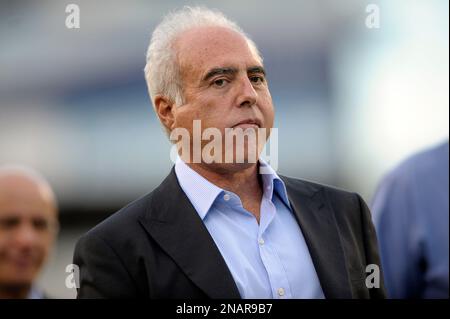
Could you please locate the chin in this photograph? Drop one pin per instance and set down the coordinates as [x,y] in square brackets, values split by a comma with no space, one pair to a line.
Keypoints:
[230,167]
[18,281]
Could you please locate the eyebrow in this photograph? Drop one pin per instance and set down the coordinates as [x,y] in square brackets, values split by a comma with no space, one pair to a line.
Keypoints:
[217,71]
[256,69]
[231,71]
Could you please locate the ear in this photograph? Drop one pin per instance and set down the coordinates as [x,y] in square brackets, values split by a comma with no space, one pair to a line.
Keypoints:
[165,111]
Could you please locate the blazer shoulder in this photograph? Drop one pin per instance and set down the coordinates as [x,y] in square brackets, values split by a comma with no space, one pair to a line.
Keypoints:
[106,255]
[125,223]
[311,187]
[122,222]
[340,200]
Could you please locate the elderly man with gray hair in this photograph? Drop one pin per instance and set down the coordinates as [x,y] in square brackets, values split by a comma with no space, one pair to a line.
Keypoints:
[220,228]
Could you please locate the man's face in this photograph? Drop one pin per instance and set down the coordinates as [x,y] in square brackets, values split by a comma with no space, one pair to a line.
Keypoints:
[223,82]
[27,229]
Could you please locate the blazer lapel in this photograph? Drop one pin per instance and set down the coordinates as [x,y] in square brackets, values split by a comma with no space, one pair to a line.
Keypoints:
[173,222]
[319,228]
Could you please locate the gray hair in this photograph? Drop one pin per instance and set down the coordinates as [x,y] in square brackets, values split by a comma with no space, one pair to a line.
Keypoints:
[162,70]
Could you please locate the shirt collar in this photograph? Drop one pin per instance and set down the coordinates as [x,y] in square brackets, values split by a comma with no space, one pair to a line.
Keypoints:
[272,182]
[202,193]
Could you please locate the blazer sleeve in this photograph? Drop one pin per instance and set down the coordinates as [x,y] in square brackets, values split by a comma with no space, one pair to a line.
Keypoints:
[371,247]
[102,273]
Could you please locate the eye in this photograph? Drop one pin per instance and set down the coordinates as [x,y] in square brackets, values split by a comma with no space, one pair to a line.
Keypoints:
[257,79]
[40,224]
[220,83]
[9,223]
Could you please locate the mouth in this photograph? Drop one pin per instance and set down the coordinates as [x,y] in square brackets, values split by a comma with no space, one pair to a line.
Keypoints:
[24,263]
[248,123]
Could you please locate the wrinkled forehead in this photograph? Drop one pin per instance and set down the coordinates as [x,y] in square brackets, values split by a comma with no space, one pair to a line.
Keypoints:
[202,48]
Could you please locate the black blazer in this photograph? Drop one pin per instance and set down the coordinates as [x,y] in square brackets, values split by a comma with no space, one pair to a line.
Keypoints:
[158,247]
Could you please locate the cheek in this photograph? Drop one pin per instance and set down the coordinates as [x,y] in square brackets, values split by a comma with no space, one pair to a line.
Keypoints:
[210,114]
[41,249]
[184,118]
[7,245]
[216,112]
[3,249]
[268,113]
[45,237]
[41,253]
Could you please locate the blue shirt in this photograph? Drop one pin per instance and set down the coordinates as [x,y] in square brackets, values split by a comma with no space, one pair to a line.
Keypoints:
[35,293]
[411,216]
[267,260]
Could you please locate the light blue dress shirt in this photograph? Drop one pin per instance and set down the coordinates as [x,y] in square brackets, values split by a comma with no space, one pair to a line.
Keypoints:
[267,260]
[35,293]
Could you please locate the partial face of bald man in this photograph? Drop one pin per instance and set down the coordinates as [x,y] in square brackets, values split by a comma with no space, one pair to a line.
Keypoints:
[28,223]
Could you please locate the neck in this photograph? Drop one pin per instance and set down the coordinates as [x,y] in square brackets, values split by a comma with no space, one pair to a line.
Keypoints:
[244,182]
[14,291]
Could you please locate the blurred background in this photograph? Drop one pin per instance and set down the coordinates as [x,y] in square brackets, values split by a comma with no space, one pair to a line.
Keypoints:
[351,101]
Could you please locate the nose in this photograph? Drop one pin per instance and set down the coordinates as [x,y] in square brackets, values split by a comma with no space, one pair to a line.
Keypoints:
[26,236]
[247,94]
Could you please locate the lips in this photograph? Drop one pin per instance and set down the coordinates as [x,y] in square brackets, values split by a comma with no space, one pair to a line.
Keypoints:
[23,263]
[248,123]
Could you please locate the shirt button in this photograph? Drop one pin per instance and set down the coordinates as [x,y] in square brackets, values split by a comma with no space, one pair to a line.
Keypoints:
[280,292]
[226,197]
[261,241]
